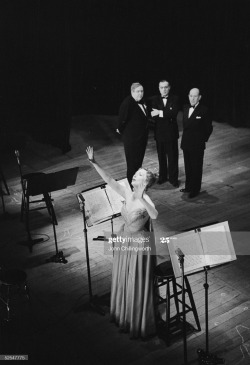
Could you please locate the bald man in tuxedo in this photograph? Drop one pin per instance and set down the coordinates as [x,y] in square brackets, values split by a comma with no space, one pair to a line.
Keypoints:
[197,128]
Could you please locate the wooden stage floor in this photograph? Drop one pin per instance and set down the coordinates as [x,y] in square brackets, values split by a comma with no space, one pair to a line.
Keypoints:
[56,326]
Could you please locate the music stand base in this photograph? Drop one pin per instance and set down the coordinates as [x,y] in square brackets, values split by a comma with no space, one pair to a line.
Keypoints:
[58,258]
[208,359]
[92,304]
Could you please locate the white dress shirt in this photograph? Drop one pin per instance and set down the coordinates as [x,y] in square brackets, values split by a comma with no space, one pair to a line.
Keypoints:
[164,100]
[191,110]
[143,108]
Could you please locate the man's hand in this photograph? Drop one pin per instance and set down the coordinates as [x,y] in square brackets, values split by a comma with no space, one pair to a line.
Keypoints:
[155,112]
[117,131]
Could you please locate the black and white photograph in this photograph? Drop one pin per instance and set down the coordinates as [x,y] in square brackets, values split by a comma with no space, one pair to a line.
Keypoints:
[125,182]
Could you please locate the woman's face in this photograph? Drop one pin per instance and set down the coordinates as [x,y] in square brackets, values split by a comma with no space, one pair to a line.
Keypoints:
[139,177]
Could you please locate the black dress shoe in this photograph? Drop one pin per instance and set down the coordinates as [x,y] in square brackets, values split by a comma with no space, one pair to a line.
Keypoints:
[184,191]
[193,194]
[161,181]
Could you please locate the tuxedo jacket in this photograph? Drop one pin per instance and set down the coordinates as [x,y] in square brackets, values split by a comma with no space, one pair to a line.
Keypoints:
[166,128]
[132,121]
[196,129]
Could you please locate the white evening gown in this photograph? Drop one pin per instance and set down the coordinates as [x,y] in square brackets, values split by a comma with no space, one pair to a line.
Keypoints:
[132,304]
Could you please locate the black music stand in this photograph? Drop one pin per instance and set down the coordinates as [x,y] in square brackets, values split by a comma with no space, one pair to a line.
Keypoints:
[204,356]
[45,184]
[181,256]
[93,299]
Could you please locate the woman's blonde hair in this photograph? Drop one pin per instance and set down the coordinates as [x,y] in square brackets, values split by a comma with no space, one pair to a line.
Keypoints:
[151,178]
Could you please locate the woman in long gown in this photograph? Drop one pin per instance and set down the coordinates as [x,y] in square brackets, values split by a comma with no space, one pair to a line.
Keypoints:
[132,304]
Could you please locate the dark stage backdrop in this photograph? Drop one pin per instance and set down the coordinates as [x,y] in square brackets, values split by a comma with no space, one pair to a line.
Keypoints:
[68,57]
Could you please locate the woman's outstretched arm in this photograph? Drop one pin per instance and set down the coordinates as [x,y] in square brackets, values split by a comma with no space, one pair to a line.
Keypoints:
[149,206]
[106,177]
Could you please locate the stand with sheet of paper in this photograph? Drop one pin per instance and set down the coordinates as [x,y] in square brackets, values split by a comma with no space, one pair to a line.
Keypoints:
[207,246]
[102,203]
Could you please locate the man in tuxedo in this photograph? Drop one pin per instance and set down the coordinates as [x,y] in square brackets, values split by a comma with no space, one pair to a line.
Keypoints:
[133,127]
[197,128]
[164,110]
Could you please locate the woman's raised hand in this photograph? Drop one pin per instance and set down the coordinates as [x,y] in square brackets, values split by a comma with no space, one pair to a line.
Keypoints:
[90,153]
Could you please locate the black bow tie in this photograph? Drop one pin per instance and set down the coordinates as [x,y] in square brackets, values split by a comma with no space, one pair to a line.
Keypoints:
[140,102]
[164,97]
[192,107]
